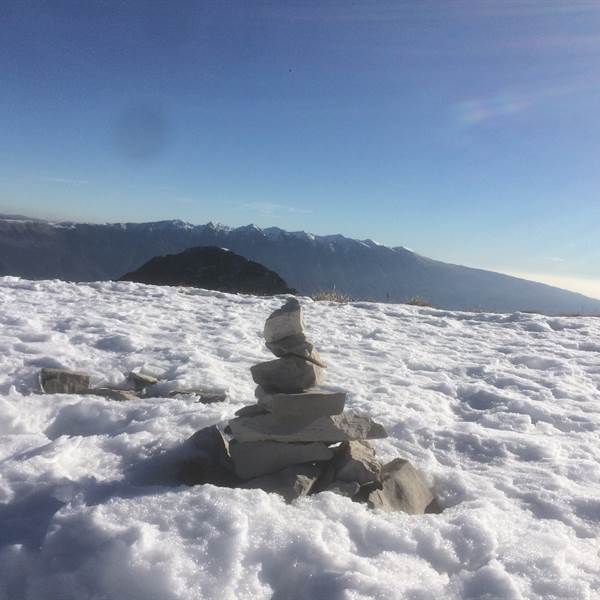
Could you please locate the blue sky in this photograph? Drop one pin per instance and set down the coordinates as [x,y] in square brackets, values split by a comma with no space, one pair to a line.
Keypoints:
[468,131]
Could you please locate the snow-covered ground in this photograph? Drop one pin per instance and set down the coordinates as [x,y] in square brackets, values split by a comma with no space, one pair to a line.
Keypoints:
[500,412]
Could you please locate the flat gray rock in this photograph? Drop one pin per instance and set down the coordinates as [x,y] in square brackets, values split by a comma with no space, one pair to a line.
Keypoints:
[141,381]
[291,483]
[296,345]
[62,381]
[355,461]
[253,459]
[336,428]
[284,322]
[113,394]
[313,403]
[402,489]
[288,374]
[292,344]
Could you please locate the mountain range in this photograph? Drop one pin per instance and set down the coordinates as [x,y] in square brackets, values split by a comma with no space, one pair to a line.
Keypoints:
[362,269]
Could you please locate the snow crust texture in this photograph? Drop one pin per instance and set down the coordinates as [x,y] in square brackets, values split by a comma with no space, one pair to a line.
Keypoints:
[500,412]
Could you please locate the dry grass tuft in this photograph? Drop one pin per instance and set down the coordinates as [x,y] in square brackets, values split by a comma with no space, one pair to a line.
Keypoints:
[331,296]
[418,301]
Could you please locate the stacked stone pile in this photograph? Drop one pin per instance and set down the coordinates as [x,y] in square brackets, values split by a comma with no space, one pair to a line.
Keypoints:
[297,439]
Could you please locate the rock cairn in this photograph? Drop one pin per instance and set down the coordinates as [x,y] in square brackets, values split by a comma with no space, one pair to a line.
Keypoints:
[297,439]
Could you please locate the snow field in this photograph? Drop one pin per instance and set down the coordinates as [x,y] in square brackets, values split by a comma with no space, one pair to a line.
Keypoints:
[500,412]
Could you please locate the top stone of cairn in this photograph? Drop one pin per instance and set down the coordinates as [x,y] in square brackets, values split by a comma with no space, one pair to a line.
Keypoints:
[284,322]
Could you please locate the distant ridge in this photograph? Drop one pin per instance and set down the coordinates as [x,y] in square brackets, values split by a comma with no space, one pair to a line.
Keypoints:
[9,217]
[309,263]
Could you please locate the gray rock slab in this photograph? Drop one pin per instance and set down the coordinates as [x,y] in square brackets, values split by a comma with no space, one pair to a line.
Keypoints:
[402,489]
[253,459]
[211,444]
[288,374]
[62,381]
[296,345]
[291,483]
[207,459]
[284,322]
[355,461]
[141,381]
[312,403]
[113,394]
[331,429]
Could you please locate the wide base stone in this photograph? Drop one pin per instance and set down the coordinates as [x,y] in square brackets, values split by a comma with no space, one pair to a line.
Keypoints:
[291,483]
[253,459]
[337,428]
[312,403]
[61,381]
[402,489]
[289,374]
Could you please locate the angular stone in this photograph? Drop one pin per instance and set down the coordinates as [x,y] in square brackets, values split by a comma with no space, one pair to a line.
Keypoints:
[355,461]
[291,483]
[336,428]
[343,488]
[292,344]
[61,381]
[288,375]
[253,459]
[402,488]
[296,345]
[113,394]
[211,444]
[141,381]
[313,403]
[252,410]
[284,322]
[208,459]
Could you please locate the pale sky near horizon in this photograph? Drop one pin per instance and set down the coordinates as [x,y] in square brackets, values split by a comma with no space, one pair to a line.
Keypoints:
[468,131]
